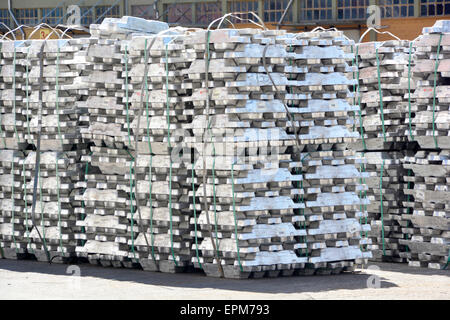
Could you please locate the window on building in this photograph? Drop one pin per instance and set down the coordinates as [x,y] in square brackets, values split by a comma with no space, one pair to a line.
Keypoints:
[396,8]
[27,17]
[4,18]
[207,12]
[87,15]
[317,10]
[179,13]
[434,7]
[274,9]
[352,9]
[243,6]
[143,11]
[52,16]
[102,12]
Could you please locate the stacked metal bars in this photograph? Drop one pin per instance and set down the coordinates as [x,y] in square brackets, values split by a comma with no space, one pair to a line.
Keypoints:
[263,204]
[107,194]
[13,240]
[384,89]
[57,120]
[428,233]
[386,195]
[318,95]
[60,148]
[428,170]
[164,162]
[284,185]
[383,86]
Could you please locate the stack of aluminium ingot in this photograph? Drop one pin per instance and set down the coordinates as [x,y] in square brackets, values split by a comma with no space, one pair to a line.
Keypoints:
[428,174]
[54,124]
[245,222]
[13,236]
[107,188]
[318,95]
[385,86]
[164,162]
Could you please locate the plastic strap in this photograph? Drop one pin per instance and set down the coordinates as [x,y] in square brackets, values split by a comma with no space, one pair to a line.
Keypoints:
[299,184]
[409,90]
[26,206]
[361,126]
[381,203]
[208,124]
[381,95]
[150,169]
[363,207]
[434,90]
[354,87]
[13,209]
[26,92]
[170,147]
[131,156]
[408,197]
[57,98]
[1,131]
[14,101]
[127,95]
[41,204]
[83,216]
[195,218]
[234,214]
[214,158]
[132,207]
[302,210]
[59,206]
[448,261]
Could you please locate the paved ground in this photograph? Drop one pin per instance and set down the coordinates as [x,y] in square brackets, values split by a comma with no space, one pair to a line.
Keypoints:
[34,280]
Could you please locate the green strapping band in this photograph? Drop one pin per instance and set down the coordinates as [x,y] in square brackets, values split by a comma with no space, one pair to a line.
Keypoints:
[83,216]
[381,95]
[381,203]
[234,214]
[208,57]
[132,208]
[41,205]
[170,147]
[150,169]
[409,89]
[132,158]
[448,261]
[195,218]
[13,206]
[302,200]
[363,207]
[408,208]
[434,90]
[26,207]
[59,206]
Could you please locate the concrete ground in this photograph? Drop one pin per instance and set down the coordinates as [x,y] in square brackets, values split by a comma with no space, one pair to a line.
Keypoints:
[35,280]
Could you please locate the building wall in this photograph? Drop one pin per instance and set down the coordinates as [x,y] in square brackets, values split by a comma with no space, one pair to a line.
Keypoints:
[407,28]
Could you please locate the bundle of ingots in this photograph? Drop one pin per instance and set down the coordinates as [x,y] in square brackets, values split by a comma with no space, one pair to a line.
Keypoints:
[232,151]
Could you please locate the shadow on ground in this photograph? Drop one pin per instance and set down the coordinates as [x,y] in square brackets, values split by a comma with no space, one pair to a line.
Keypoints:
[404,268]
[299,284]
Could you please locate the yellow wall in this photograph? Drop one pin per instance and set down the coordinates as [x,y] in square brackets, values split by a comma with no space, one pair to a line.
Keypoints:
[407,28]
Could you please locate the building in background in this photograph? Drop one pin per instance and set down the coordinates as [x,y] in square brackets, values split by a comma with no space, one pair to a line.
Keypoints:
[404,18]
